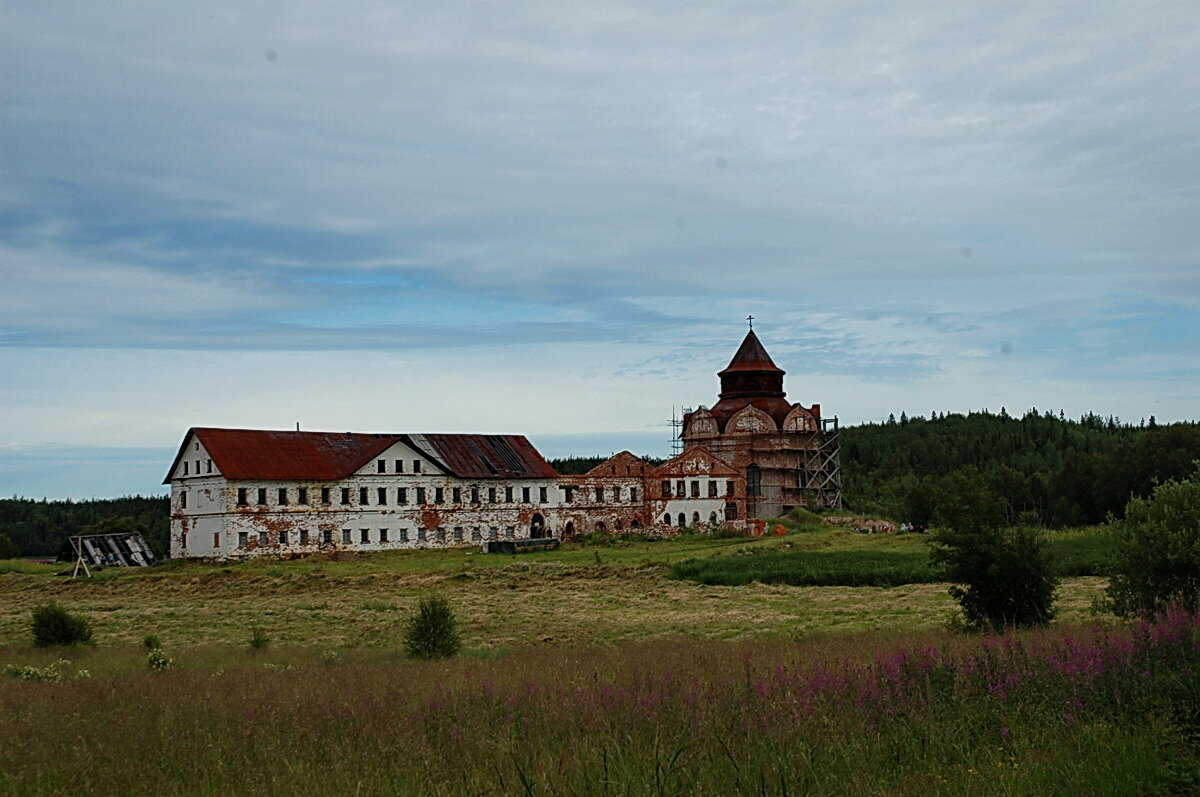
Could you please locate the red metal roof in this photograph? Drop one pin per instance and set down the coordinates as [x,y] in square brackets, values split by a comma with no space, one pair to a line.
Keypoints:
[486,456]
[751,356]
[327,456]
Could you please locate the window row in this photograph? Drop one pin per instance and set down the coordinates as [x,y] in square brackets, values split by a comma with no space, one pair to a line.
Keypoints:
[195,467]
[380,496]
[681,488]
[381,466]
[368,536]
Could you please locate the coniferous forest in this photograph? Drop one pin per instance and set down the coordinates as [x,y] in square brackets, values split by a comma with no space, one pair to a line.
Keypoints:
[1045,469]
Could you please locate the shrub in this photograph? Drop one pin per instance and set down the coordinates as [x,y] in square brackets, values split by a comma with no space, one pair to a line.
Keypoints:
[259,638]
[159,661]
[54,625]
[431,632]
[1004,577]
[150,642]
[1156,552]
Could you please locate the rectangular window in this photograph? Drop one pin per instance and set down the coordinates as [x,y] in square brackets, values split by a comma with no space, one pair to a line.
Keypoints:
[242,499]
[243,539]
[381,496]
[508,495]
[197,467]
[475,495]
[509,532]
[403,535]
[633,494]
[304,536]
[183,499]
[327,536]
[525,495]
[666,488]
[283,537]
[401,495]
[185,467]
[345,495]
[420,495]
[491,495]
[458,534]
[599,493]
[210,466]
[381,466]
[262,538]
[365,535]
[383,535]
[421,534]
[475,535]
[680,488]
[729,487]
[457,495]
[567,496]
[345,536]
[542,495]
[302,495]
[695,489]
[325,495]
[439,495]
[283,496]
[216,539]
[362,497]
[416,466]
[262,496]
[440,535]
[617,494]
[712,488]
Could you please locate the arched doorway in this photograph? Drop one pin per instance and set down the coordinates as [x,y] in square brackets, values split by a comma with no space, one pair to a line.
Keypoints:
[682,520]
[667,519]
[600,527]
[695,518]
[569,529]
[537,527]
[633,524]
[712,518]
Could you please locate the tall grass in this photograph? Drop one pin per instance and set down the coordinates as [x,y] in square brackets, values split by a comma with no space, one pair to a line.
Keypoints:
[1075,553]
[1088,710]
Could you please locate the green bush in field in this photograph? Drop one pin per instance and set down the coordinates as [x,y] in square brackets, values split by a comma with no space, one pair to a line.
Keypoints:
[259,638]
[432,633]
[1156,552]
[1004,577]
[54,625]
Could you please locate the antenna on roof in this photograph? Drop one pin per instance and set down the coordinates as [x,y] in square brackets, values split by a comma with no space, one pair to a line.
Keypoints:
[297,426]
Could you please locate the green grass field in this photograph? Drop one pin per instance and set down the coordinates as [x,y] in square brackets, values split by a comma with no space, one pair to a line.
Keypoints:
[586,670]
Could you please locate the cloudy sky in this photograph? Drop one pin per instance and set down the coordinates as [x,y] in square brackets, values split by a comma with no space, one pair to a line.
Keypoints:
[553,218]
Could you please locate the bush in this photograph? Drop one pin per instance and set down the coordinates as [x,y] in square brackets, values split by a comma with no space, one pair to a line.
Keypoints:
[431,632]
[150,642]
[1156,552]
[1003,577]
[54,625]
[8,548]
[158,661]
[259,638]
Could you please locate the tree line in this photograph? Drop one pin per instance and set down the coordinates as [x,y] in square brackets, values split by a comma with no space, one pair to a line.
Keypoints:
[1044,469]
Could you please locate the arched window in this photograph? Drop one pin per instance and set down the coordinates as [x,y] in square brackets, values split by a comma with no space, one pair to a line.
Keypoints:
[753,480]
[682,520]
[712,518]
[695,518]
[667,519]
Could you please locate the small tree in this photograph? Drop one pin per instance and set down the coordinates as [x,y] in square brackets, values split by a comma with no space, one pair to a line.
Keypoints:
[1156,552]
[54,625]
[431,632]
[1004,577]
[8,548]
